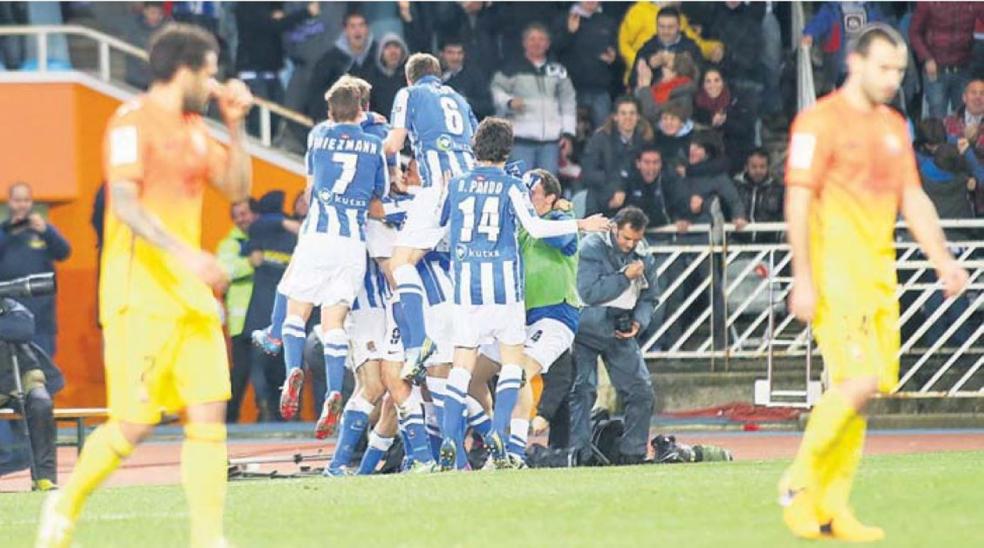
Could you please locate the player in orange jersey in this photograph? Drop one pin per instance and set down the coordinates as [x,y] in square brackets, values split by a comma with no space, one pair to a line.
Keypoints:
[164,347]
[850,172]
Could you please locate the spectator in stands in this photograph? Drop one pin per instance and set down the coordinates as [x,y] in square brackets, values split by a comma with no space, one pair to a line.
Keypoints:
[464,77]
[138,33]
[536,95]
[387,76]
[608,157]
[260,52]
[668,39]
[617,282]
[711,198]
[675,83]
[417,20]
[965,130]
[584,40]
[673,135]
[354,53]
[942,37]
[31,245]
[233,255]
[837,23]
[946,180]
[474,24]
[715,107]
[640,25]
[762,196]
[513,18]
[739,27]
[272,237]
[654,190]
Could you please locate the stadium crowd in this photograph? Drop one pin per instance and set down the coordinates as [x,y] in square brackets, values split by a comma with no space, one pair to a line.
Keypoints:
[661,109]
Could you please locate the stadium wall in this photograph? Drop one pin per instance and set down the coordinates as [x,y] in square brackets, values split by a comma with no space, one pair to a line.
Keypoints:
[51,138]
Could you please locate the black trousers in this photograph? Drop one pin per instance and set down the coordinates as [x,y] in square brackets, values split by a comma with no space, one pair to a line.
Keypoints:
[43,433]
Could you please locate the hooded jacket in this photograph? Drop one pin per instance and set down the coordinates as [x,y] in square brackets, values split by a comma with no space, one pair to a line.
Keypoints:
[333,65]
[548,97]
[385,81]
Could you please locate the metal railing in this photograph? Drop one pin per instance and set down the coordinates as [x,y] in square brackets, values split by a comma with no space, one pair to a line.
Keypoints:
[723,297]
[108,45]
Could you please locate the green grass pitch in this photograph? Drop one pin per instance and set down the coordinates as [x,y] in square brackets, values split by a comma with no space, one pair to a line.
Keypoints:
[921,500]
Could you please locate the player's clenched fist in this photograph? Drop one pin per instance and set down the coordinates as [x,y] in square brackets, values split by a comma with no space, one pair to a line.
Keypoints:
[954,278]
[205,267]
[234,100]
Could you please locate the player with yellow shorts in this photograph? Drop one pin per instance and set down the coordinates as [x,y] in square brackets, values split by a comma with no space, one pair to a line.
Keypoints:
[850,172]
[163,341]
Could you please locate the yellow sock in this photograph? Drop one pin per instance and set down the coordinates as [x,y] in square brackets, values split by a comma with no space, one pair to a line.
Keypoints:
[203,473]
[838,478]
[103,451]
[831,413]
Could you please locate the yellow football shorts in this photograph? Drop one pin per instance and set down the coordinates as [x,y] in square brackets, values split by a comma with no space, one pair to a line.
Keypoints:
[156,364]
[859,341]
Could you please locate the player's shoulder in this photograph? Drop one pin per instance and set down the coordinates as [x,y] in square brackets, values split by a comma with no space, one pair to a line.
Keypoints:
[820,115]
[130,112]
[893,117]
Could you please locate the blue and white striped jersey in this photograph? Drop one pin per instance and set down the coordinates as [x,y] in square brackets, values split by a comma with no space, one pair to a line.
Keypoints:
[435,273]
[373,126]
[375,292]
[482,208]
[347,167]
[440,124]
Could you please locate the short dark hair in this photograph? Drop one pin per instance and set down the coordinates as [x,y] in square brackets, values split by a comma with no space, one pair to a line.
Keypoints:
[708,140]
[675,108]
[551,186]
[178,45]
[422,64]
[930,131]
[632,216]
[627,100]
[669,11]
[352,14]
[452,40]
[872,32]
[648,149]
[344,102]
[493,140]
[759,151]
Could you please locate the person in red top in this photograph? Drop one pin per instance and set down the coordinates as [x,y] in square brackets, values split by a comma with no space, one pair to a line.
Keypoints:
[845,190]
[942,37]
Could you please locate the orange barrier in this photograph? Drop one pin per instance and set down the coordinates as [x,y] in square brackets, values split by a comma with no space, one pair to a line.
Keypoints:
[52,139]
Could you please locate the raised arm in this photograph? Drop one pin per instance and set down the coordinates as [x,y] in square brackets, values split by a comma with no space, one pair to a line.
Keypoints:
[232,173]
[541,228]
[398,119]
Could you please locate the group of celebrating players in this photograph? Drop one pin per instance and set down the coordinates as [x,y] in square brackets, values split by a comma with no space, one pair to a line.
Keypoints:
[415,273]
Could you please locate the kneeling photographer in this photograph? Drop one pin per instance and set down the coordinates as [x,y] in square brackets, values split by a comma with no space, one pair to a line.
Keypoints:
[28,379]
[617,283]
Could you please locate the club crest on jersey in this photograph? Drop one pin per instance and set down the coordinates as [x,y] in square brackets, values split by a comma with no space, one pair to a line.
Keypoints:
[460,251]
[326,196]
[444,143]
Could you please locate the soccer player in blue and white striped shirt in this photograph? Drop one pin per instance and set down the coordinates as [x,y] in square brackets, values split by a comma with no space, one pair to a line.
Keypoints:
[347,168]
[440,125]
[482,211]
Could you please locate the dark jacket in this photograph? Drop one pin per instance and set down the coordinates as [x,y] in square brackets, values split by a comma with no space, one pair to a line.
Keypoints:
[675,148]
[742,47]
[471,83]
[260,46]
[764,202]
[600,280]
[684,44]
[332,66]
[477,33]
[137,32]
[16,331]
[268,235]
[580,51]
[944,31]
[948,192]
[660,199]
[23,252]
[605,166]
[738,131]
[386,82]
[709,180]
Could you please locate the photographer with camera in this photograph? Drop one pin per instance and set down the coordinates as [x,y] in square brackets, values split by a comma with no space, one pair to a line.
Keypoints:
[616,280]
[30,245]
[28,380]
